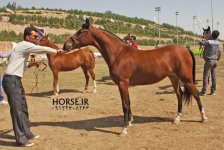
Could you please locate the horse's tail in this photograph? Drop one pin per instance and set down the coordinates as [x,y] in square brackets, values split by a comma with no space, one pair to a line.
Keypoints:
[187,94]
[194,65]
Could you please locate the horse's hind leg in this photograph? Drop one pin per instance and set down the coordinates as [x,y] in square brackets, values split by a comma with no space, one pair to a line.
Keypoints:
[175,82]
[55,83]
[84,68]
[93,77]
[195,93]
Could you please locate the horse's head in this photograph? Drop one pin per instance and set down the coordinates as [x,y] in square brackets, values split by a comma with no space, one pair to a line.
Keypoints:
[81,38]
[206,33]
[45,41]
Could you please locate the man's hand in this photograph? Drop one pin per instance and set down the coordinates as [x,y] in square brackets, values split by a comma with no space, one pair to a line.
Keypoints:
[59,51]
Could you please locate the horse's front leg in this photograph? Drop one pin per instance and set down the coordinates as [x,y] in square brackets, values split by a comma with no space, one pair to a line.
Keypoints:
[123,89]
[93,77]
[55,83]
[85,71]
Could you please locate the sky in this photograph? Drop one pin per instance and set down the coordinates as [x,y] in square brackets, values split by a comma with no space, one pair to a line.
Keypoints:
[146,9]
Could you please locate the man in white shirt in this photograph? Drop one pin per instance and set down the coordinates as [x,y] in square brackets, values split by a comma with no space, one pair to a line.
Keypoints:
[13,86]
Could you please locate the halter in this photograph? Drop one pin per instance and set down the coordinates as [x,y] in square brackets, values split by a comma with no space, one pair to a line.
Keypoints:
[38,64]
[74,43]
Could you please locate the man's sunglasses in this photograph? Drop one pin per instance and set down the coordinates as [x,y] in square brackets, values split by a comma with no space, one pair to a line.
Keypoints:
[35,36]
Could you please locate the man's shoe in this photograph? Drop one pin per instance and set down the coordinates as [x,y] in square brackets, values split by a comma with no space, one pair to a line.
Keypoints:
[34,137]
[202,94]
[3,102]
[212,93]
[27,144]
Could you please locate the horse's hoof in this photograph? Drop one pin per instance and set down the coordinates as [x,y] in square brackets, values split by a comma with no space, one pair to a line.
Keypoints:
[129,124]
[204,120]
[94,91]
[176,121]
[123,134]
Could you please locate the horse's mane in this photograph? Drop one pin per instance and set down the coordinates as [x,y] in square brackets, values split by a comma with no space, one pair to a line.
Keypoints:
[104,30]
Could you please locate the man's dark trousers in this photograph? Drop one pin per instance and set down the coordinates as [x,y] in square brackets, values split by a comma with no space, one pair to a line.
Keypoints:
[14,90]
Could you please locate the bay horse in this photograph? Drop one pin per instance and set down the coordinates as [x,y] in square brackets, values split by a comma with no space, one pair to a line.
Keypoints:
[206,33]
[205,36]
[70,61]
[129,67]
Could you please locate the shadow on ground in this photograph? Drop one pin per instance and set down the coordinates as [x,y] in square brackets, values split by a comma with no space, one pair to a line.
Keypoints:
[50,93]
[105,122]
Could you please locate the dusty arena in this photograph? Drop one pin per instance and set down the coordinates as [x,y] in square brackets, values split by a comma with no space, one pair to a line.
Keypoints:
[94,120]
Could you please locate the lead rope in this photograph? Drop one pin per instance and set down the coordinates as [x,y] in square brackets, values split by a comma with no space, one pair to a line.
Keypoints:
[202,51]
[36,73]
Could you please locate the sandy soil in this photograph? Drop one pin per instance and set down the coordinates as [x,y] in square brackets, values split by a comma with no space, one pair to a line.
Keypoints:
[154,107]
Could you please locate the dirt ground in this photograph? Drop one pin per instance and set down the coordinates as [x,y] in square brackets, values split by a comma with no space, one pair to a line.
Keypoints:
[154,107]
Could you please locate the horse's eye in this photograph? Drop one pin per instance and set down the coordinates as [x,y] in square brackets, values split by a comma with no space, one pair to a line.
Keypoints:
[79,32]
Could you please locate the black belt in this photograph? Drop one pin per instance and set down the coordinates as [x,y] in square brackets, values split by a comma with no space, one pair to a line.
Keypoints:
[12,76]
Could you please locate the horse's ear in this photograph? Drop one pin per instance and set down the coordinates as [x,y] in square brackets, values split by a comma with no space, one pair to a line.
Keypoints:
[45,36]
[87,22]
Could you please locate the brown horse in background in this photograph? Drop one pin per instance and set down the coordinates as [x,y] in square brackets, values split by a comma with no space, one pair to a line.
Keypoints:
[70,61]
[129,66]
[205,36]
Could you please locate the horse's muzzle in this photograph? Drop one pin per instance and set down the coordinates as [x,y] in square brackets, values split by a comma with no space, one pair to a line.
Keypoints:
[67,47]
[70,46]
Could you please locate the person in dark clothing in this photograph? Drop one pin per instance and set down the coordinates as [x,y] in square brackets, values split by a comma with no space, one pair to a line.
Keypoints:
[133,42]
[211,56]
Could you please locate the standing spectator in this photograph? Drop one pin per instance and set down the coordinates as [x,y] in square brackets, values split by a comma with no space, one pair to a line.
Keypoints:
[211,56]
[133,42]
[14,89]
[2,101]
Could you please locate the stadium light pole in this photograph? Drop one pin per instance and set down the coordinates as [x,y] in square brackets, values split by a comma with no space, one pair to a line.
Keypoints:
[158,9]
[194,17]
[177,13]
[212,14]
